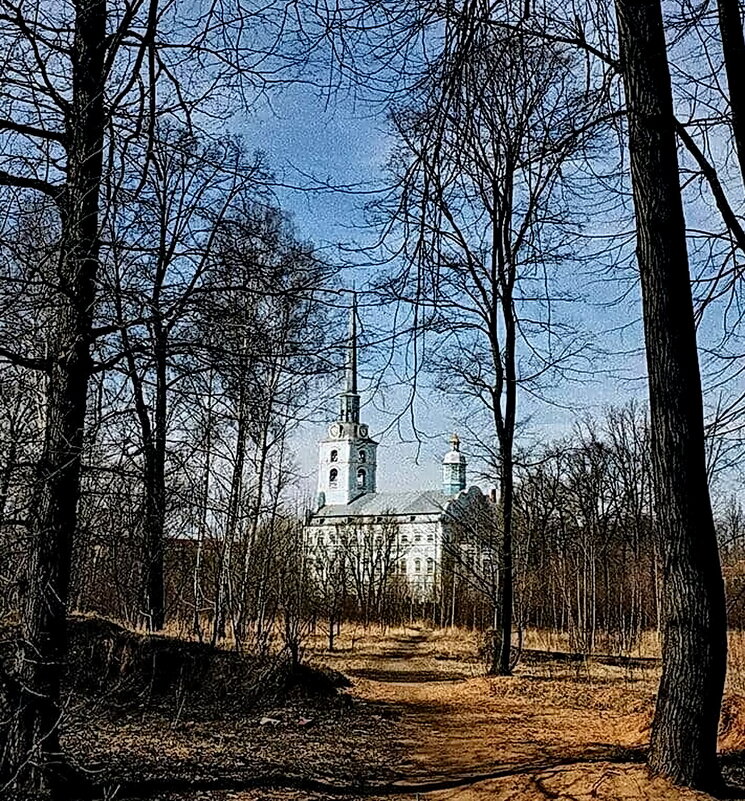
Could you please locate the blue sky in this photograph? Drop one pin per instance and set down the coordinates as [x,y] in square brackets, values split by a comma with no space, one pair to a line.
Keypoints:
[307,143]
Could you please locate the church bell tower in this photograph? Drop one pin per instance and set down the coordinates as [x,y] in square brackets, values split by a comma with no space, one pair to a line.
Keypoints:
[348,456]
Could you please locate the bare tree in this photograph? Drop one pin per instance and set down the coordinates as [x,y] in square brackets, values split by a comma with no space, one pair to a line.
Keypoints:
[684,733]
[264,333]
[72,132]
[480,183]
[164,230]
[371,555]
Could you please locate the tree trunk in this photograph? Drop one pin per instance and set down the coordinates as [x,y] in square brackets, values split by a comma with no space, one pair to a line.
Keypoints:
[223,597]
[155,493]
[251,552]
[504,270]
[153,437]
[33,760]
[203,518]
[331,630]
[733,49]
[684,732]
[7,472]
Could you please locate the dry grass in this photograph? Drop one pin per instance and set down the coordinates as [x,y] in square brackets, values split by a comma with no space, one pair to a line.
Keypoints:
[736,662]
[373,640]
[461,645]
[464,642]
[645,646]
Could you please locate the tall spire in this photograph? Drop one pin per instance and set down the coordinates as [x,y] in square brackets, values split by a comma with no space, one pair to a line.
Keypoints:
[351,384]
[350,399]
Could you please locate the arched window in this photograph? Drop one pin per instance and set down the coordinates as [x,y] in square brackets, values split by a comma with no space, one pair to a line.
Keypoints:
[363,456]
[361,478]
[333,476]
[417,565]
[334,456]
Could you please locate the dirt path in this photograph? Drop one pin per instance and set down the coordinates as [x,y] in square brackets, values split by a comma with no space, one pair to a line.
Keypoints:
[459,725]
[541,734]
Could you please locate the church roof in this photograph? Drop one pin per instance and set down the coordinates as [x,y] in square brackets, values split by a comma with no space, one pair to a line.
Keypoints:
[372,504]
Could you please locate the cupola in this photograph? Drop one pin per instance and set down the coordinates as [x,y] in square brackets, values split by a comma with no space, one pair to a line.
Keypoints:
[454,468]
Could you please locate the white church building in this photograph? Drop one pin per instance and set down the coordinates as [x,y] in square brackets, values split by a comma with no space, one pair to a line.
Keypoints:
[409,530]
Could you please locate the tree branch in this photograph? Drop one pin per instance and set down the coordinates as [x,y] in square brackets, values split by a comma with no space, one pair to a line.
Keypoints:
[31,130]
[39,185]
[710,174]
[23,361]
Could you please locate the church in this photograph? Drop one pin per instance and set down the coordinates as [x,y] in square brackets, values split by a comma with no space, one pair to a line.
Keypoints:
[402,534]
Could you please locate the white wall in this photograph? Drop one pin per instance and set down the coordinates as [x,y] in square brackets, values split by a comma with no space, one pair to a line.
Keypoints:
[347,464]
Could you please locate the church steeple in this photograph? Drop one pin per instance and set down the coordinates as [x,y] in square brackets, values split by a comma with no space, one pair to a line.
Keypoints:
[348,458]
[350,399]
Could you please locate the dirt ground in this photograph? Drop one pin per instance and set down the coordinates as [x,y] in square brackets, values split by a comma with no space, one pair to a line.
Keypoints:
[420,722]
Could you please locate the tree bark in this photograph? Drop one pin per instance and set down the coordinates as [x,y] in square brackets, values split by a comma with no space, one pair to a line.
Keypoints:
[223,597]
[153,435]
[7,472]
[33,760]
[733,49]
[507,482]
[684,732]
[155,491]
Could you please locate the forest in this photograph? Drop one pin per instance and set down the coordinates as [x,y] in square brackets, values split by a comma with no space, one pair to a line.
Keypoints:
[557,214]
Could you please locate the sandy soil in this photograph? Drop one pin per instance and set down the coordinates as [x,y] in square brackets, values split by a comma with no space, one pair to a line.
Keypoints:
[424,724]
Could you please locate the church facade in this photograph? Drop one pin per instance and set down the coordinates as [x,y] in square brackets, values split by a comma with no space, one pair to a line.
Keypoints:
[406,535]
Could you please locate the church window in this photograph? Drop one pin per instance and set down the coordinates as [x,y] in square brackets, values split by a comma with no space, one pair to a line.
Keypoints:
[404,538]
[403,566]
[320,539]
[363,456]
[418,565]
[333,476]
[361,478]
[334,457]
[430,537]
[430,565]
[332,538]
[418,538]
